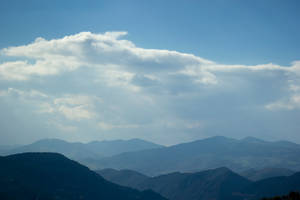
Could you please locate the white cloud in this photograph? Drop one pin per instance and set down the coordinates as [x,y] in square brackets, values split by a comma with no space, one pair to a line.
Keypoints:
[141,89]
[294,88]
[290,104]
[76,113]
[117,59]
[117,62]
[76,100]
[23,94]
[72,107]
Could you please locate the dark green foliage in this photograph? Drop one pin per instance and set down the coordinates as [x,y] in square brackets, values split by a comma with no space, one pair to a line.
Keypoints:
[290,196]
[53,176]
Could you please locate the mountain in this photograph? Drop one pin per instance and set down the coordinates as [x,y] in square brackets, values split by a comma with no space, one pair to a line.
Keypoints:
[76,151]
[238,155]
[124,177]
[217,184]
[53,176]
[114,147]
[84,152]
[256,175]
[274,186]
[6,148]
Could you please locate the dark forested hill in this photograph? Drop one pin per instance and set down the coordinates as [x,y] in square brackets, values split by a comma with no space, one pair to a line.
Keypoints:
[238,155]
[53,176]
[274,186]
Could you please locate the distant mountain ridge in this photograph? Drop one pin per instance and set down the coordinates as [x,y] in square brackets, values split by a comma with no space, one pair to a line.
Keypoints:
[256,175]
[214,152]
[124,177]
[152,159]
[217,184]
[85,151]
[51,176]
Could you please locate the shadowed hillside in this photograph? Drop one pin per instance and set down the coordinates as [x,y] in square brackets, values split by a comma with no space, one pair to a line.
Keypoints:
[53,176]
[217,184]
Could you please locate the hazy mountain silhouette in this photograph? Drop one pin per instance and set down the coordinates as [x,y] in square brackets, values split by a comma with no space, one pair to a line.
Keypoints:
[76,150]
[256,175]
[274,186]
[84,152]
[114,147]
[5,148]
[53,176]
[217,184]
[238,155]
[124,177]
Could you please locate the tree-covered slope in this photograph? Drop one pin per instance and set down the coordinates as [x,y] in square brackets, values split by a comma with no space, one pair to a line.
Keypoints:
[53,176]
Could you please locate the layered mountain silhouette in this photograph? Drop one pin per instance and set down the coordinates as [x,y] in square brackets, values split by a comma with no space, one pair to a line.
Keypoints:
[124,177]
[217,184]
[53,176]
[214,152]
[85,151]
[193,170]
[259,174]
[7,148]
[274,186]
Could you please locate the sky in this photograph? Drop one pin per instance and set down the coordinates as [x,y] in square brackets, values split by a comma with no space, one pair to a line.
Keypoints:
[163,71]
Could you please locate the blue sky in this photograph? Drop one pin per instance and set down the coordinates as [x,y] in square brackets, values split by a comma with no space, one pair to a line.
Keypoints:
[167,71]
[231,32]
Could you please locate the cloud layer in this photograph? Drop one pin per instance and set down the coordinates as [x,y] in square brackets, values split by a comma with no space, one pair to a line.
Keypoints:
[100,86]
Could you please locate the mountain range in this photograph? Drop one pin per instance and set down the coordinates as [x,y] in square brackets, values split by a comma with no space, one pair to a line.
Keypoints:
[217,184]
[253,158]
[216,168]
[214,152]
[50,176]
[84,151]
[259,174]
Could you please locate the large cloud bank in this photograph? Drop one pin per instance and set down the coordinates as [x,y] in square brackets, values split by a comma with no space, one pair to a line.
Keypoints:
[90,86]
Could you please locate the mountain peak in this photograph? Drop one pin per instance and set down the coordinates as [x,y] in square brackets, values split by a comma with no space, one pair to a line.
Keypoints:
[222,169]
